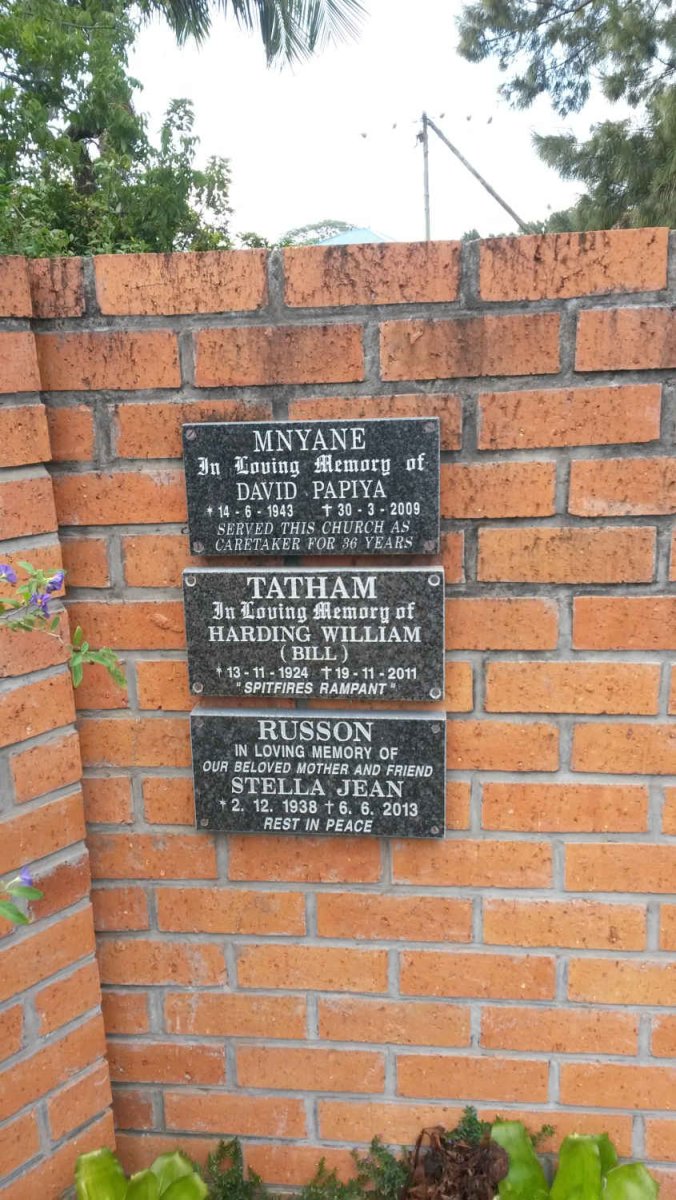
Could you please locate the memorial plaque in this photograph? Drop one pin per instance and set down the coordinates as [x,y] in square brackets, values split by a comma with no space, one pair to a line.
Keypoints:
[316,633]
[313,487]
[341,774]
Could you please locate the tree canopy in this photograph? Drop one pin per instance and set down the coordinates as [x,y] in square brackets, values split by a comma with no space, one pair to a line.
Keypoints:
[561,49]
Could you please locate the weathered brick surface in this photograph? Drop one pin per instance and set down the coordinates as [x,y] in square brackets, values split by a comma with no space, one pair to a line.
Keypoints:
[534,943]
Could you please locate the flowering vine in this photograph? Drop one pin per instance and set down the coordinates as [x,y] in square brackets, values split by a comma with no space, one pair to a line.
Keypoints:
[20,888]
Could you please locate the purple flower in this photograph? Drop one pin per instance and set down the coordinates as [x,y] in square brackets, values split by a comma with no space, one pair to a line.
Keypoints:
[26,877]
[7,573]
[56,582]
[40,601]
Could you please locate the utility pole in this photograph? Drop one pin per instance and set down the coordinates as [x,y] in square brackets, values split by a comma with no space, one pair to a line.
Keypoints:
[426,175]
[428,123]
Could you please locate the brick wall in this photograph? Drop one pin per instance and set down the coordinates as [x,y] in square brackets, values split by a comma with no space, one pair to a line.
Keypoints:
[54,1081]
[308,993]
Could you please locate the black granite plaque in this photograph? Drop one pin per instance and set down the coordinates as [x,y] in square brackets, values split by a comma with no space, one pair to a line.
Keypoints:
[313,487]
[316,633]
[342,774]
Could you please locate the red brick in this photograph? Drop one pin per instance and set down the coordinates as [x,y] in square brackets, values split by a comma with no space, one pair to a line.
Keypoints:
[152,856]
[624,623]
[15,297]
[163,686]
[501,746]
[294,1165]
[125,1012]
[474,623]
[611,867]
[509,345]
[120,497]
[510,489]
[283,354]
[472,1078]
[669,811]
[51,1177]
[625,339]
[447,408]
[246,1116]
[593,416]
[154,430]
[133,1109]
[123,625]
[63,1001]
[119,909]
[57,287]
[467,863]
[672,559]
[577,687]
[457,805]
[18,363]
[158,559]
[579,924]
[11,1031]
[559,1031]
[623,749]
[31,1078]
[668,927]
[52,764]
[663,1043]
[20,1143]
[63,884]
[168,801]
[227,910]
[166,1062]
[135,741]
[43,952]
[404,273]
[618,487]
[86,562]
[133,961]
[108,801]
[660,1140]
[71,433]
[300,1069]
[212,281]
[23,435]
[97,689]
[24,651]
[46,556]
[230,1015]
[393,918]
[477,975]
[389,1022]
[621,981]
[535,554]
[76,1104]
[557,266]
[117,361]
[316,968]
[562,808]
[631,1086]
[312,860]
[27,505]
[37,832]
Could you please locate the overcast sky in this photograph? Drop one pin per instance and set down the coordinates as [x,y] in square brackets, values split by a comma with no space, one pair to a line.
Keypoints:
[295,136]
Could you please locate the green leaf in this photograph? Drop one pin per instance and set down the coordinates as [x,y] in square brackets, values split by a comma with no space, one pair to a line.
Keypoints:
[579,1172]
[607,1152]
[76,669]
[99,1176]
[630,1182]
[169,1167]
[143,1186]
[12,913]
[526,1179]
[16,888]
[77,636]
[54,622]
[191,1187]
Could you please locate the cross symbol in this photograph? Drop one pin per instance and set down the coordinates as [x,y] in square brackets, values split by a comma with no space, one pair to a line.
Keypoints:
[219,670]
[209,511]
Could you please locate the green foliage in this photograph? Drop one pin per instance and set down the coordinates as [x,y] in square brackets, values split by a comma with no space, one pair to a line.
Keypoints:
[226,1177]
[587,1169]
[99,1176]
[318,231]
[381,1173]
[469,1128]
[627,167]
[20,889]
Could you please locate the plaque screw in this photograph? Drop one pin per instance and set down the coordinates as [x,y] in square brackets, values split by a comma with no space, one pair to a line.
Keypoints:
[430,427]
[197,723]
[198,547]
[205,821]
[436,729]
[435,693]
[434,828]
[433,580]
[190,435]
[429,547]
[190,581]
[198,687]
